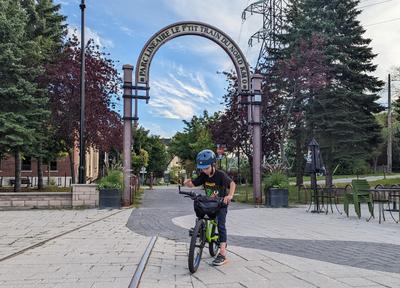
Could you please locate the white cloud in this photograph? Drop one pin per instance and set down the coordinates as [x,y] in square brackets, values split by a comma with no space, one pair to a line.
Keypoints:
[226,17]
[128,31]
[179,94]
[157,130]
[385,36]
[90,34]
[201,92]
[172,108]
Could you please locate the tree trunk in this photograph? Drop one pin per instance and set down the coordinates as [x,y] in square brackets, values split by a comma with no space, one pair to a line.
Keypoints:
[151,180]
[71,164]
[328,177]
[17,178]
[299,161]
[285,162]
[102,165]
[40,172]
[375,160]
[48,173]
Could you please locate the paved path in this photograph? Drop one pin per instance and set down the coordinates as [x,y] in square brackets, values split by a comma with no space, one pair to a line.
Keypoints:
[270,247]
[267,248]
[102,254]
[331,238]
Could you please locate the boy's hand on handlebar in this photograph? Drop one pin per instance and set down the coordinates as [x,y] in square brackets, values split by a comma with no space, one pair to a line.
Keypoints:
[227,199]
[187,182]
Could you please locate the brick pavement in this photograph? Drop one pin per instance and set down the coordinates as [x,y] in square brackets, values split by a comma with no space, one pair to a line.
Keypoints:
[103,254]
[268,248]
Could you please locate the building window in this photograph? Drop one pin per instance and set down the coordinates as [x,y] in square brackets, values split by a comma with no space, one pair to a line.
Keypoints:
[53,165]
[26,164]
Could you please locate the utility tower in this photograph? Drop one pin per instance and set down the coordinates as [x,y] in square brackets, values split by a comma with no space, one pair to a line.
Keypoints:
[273,19]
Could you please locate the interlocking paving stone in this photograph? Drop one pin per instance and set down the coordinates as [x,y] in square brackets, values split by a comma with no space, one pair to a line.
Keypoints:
[331,238]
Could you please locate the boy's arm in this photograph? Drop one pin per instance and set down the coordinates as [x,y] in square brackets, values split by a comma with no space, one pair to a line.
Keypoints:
[195,182]
[232,188]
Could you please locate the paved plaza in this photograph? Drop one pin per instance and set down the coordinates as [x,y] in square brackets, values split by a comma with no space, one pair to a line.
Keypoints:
[267,247]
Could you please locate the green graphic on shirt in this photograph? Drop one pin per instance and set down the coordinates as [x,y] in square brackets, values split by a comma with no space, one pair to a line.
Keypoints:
[211,189]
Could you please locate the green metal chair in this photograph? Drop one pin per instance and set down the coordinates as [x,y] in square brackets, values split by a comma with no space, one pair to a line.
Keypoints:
[358,196]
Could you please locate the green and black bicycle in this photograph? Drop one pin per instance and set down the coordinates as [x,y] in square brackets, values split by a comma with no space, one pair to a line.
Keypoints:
[205,229]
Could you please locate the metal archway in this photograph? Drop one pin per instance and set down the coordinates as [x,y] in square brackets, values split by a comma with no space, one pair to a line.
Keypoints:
[198,29]
[141,87]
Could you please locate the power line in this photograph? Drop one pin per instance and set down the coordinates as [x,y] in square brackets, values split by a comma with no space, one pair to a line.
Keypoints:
[383,22]
[373,4]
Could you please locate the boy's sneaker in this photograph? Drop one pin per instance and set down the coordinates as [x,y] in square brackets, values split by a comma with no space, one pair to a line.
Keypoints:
[220,260]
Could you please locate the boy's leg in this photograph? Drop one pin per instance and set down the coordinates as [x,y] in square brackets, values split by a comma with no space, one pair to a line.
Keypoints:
[221,218]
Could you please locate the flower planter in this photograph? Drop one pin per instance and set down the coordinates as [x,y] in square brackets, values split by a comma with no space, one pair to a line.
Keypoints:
[277,197]
[109,198]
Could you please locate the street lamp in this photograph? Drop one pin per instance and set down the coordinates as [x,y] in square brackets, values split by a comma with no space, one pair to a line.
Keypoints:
[82,172]
[314,165]
[390,132]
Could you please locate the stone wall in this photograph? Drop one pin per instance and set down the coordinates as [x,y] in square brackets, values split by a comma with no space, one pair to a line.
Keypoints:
[14,200]
[82,196]
[85,196]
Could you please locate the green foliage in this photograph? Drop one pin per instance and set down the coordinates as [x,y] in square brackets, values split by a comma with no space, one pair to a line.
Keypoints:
[276,179]
[114,180]
[139,161]
[341,115]
[360,167]
[196,137]
[157,154]
[174,175]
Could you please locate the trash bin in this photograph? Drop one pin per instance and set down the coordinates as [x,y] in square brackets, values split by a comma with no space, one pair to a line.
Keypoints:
[277,197]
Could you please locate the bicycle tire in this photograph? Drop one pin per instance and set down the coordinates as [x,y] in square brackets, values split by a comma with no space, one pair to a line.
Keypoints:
[213,246]
[197,241]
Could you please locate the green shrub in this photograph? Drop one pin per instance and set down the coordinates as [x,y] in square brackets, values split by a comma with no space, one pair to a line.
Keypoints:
[276,179]
[114,180]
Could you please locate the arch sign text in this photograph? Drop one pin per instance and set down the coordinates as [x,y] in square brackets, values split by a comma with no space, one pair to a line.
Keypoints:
[192,28]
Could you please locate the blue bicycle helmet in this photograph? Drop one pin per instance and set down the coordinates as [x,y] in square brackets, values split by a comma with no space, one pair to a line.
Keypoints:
[205,158]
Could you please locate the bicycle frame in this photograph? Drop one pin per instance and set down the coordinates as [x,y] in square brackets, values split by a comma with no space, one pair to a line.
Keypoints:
[209,225]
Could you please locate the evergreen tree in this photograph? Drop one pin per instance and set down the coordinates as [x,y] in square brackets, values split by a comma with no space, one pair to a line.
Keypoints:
[340,116]
[44,26]
[20,109]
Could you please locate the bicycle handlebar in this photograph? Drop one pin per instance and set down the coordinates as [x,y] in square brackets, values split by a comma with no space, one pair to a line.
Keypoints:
[194,195]
[191,194]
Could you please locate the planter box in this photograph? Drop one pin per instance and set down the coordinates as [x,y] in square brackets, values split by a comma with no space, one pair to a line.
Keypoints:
[110,198]
[277,197]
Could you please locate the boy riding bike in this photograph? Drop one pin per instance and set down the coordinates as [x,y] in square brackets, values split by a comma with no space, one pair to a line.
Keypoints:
[215,182]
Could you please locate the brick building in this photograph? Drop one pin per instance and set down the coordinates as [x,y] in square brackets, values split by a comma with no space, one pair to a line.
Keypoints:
[60,171]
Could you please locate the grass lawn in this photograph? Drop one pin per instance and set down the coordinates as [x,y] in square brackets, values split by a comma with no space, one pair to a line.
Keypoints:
[307,178]
[137,198]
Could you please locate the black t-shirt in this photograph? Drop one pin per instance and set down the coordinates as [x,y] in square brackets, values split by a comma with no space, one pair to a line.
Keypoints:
[219,182]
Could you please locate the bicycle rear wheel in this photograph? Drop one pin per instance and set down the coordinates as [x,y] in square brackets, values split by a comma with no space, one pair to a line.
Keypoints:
[196,245]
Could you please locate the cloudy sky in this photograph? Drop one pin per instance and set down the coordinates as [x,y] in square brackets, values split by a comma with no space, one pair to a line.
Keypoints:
[184,77]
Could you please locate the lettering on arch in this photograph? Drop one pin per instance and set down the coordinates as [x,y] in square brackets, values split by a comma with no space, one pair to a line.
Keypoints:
[192,28]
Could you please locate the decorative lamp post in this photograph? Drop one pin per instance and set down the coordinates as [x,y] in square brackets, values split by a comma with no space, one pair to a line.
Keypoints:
[314,165]
[255,121]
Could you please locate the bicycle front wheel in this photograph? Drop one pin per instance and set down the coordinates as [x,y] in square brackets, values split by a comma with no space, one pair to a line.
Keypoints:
[196,245]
